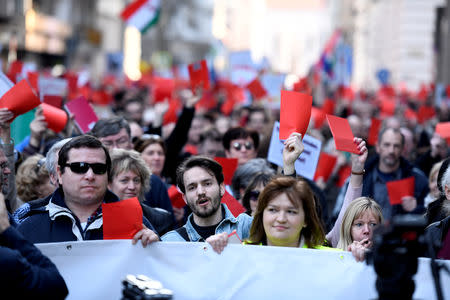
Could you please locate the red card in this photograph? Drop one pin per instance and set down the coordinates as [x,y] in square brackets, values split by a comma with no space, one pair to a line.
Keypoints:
[342,134]
[229,166]
[410,114]
[233,205]
[198,74]
[325,166]
[56,118]
[301,85]
[53,100]
[171,115]
[162,88]
[14,68]
[33,78]
[425,113]
[343,173]
[295,112]
[84,116]
[398,189]
[256,89]
[328,106]
[318,116]
[387,106]
[122,219]
[443,129]
[20,99]
[101,97]
[373,131]
[176,198]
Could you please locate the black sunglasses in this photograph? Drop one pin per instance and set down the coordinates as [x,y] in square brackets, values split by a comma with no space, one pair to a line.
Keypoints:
[238,146]
[253,195]
[83,167]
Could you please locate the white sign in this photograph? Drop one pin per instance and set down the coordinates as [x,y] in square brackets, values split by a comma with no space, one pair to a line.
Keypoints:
[52,86]
[95,269]
[306,164]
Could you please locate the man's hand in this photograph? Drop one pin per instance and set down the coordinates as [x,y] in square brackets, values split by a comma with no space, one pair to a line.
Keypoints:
[293,147]
[6,117]
[190,99]
[37,127]
[409,203]
[160,110]
[4,220]
[218,241]
[358,160]
[146,236]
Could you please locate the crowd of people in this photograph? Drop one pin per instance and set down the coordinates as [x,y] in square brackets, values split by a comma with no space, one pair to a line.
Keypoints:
[53,185]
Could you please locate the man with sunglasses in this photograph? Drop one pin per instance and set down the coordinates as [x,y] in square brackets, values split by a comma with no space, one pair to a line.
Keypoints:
[240,143]
[74,212]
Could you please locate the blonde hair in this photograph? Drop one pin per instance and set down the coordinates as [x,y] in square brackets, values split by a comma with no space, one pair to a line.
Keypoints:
[129,160]
[354,210]
[30,175]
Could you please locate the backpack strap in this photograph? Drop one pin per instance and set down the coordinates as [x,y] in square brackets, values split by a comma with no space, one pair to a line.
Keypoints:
[183,232]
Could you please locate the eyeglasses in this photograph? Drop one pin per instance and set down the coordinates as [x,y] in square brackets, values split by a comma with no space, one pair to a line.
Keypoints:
[238,146]
[253,195]
[83,167]
[120,143]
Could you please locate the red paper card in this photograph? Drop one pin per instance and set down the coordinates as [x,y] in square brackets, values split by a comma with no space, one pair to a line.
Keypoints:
[328,106]
[122,219]
[387,106]
[198,74]
[84,116]
[373,131]
[229,166]
[295,112]
[233,205]
[20,98]
[14,68]
[318,116]
[176,198]
[56,118]
[325,166]
[343,173]
[425,113]
[443,129]
[342,134]
[256,89]
[33,78]
[410,114]
[53,100]
[162,89]
[398,189]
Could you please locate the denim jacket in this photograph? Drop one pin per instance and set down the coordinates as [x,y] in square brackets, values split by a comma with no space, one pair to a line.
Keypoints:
[241,224]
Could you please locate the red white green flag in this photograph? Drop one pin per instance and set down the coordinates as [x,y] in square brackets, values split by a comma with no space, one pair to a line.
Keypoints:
[142,14]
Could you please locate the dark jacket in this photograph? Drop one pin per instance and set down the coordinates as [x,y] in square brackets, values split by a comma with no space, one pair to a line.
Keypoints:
[25,273]
[54,222]
[437,232]
[160,218]
[372,178]
[434,210]
[158,196]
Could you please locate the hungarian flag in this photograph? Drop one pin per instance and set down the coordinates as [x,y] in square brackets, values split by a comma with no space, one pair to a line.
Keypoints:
[142,14]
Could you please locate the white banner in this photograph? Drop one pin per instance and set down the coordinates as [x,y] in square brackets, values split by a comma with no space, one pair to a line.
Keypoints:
[95,269]
[306,163]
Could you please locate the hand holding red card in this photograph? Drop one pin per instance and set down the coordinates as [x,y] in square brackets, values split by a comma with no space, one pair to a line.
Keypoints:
[20,99]
[56,118]
[122,219]
[325,166]
[295,112]
[198,74]
[398,189]
[342,134]
[85,117]
[229,166]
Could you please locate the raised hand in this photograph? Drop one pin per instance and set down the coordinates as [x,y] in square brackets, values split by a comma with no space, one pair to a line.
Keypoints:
[293,147]
[218,241]
[146,236]
[37,127]
[358,161]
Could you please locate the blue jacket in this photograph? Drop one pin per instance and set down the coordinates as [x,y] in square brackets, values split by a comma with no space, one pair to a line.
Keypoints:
[54,222]
[25,272]
[241,224]
[375,187]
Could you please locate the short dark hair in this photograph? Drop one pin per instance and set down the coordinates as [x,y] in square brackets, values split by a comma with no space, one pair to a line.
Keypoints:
[395,130]
[210,165]
[110,126]
[239,133]
[82,141]
[211,134]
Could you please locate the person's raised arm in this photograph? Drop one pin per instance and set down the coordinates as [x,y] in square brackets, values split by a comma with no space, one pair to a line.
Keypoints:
[354,189]
[293,147]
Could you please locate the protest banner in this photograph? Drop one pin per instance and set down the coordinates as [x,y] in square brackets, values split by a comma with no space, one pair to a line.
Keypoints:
[95,269]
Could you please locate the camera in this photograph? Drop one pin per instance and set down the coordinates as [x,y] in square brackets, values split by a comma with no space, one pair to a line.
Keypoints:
[141,287]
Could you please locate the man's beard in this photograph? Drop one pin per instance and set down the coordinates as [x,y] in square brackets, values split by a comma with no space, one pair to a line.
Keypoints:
[390,161]
[215,205]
